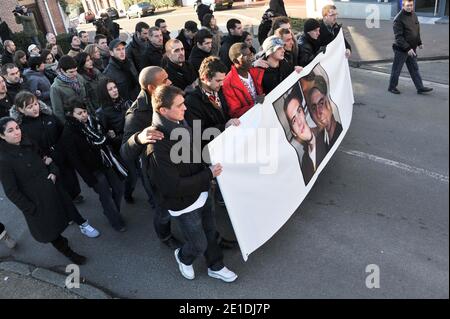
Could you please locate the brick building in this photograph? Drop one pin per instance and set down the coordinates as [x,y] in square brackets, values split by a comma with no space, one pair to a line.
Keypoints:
[48,14]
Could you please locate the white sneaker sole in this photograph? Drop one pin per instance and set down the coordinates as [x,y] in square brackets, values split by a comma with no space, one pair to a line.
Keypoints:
[213,275]
[180,267]
[90,235]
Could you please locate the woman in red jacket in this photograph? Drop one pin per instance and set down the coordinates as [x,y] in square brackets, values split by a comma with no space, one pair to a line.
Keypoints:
[242,86]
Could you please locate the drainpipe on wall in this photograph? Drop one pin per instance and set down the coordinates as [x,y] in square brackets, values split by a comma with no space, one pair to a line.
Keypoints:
[50,17]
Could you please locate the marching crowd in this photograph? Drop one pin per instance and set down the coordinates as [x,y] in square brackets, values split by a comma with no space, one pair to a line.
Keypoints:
[104,111]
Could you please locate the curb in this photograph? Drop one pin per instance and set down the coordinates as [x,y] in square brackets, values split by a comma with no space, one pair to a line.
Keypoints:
[86,291]
[359,63]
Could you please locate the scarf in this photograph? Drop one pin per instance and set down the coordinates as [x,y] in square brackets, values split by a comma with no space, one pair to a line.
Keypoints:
[90,73]
[213,97]
[74,84]
[93,134]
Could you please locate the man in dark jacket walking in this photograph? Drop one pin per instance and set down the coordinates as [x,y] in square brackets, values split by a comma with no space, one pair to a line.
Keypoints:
[122,71]
[183,187]
[407,39]
[235,31]
[136,48]
[277,6]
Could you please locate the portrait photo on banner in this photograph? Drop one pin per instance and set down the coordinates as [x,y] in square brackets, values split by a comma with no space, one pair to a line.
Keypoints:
[310,120]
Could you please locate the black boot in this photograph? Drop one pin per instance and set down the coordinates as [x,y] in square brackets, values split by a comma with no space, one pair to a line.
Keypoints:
[62,245]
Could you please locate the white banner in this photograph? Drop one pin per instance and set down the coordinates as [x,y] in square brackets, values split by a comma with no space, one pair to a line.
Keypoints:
[272,159]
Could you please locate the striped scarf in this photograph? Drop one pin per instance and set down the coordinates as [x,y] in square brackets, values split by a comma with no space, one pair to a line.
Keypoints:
[74,84]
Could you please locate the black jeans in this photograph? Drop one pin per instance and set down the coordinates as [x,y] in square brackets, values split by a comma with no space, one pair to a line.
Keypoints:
[200,231]
[131,179]
[400,58]
[161,217]
[110,189]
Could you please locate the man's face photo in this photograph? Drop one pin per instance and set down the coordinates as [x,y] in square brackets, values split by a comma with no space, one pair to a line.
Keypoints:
[297,120]
[320,109]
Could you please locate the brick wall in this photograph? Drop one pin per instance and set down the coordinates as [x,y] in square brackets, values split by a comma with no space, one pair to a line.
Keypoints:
[7,6]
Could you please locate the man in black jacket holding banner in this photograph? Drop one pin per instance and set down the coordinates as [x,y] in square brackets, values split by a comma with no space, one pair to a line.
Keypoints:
[182,185]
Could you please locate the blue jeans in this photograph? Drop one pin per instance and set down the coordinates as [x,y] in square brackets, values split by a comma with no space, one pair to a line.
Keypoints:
[400,58]
[110,189]
[200,231]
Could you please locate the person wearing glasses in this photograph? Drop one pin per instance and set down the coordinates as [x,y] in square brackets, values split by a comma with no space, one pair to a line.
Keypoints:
[329,28]
[319,106]
[310,139]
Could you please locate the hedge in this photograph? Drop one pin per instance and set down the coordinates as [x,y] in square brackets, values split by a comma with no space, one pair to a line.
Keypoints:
[22,42]
[163,3]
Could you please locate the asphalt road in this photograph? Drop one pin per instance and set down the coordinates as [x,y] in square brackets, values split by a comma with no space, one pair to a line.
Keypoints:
[382,199]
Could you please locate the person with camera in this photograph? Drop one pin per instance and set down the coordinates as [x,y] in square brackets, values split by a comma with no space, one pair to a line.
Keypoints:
[27,20]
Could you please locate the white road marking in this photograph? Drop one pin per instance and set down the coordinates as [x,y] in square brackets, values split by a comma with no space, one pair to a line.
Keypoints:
[402,166]
[403,78]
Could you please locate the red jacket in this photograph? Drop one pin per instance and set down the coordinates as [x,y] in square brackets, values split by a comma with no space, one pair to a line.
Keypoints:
[238,98]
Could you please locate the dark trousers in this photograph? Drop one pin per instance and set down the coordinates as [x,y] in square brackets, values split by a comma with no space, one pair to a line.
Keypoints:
[131,179]
[200,231]
[2,228]
[69,179]
[400,58]
[110,189]
[161,217]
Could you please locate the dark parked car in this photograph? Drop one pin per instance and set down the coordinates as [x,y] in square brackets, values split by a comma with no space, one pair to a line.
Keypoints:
[218,4]
[140,10]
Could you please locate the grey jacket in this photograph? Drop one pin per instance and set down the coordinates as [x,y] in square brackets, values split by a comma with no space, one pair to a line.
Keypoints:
[60,92]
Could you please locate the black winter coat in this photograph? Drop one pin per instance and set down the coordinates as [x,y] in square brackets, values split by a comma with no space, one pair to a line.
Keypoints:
[177,185]
[45,131]
[112,117]
[197,56]
[126,77]
[200,108]
[7,57]
[135,52]
[152,56]
[272,77]
[202,10]
[326,36]
[187,46]
[84,158]
[406,31]
[278,7]
[45,206]
[180,76]
[307,50]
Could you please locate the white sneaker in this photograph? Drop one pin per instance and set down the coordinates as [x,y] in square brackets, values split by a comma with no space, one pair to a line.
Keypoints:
[186,271]
[89,231]
[223,274]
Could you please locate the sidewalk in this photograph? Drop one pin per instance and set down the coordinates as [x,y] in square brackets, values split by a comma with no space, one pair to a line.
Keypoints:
[375,44]
[23,281]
